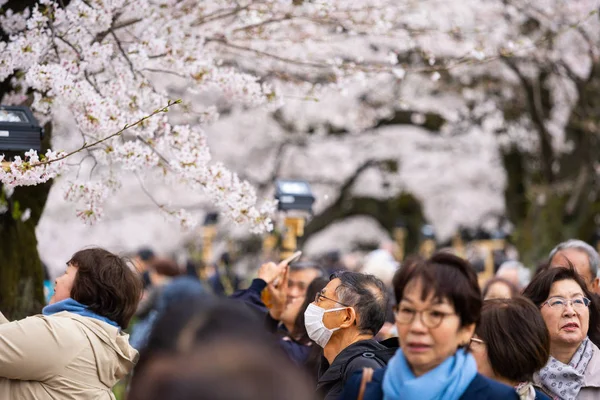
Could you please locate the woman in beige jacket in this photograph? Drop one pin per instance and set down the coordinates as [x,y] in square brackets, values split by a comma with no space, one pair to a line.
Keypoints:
[571,314]
[75,349]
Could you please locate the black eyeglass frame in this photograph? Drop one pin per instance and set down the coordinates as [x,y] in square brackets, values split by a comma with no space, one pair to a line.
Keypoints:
[318,297]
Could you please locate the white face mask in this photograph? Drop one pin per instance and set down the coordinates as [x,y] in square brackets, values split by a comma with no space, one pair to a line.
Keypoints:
[316,329]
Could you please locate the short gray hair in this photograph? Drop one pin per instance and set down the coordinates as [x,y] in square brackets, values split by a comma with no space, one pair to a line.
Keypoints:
[524,273]
[367,295]
[575,244]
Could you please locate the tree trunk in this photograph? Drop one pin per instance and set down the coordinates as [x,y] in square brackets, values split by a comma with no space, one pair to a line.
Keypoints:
[546,213]
[21,272]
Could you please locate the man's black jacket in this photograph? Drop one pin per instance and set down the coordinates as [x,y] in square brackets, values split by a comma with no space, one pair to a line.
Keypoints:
[366,353]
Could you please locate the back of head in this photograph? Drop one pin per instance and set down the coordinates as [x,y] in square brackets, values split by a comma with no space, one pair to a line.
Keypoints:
[106,284]
[367,295]
[180,290]
[516,338]
[214,349]
[307,265]
[514,272]
[195,319]
[165,267]
[514,291]
[446,276]
[220,369]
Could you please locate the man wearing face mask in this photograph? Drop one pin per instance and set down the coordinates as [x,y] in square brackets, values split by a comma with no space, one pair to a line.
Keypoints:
[343,320]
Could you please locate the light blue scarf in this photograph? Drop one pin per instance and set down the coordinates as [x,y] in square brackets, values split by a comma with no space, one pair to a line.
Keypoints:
[448,381]
[75,307]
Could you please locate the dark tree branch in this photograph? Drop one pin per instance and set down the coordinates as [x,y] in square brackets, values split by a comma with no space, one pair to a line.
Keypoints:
[533,95]
[220,14]
[123,52]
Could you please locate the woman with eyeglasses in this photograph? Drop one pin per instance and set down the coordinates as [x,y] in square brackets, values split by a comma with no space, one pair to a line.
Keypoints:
[573,370]
[438,305]
[511,343]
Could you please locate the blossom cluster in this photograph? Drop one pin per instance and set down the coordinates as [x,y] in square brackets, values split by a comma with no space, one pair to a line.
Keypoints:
[110,64]
[31,170]
[82,58]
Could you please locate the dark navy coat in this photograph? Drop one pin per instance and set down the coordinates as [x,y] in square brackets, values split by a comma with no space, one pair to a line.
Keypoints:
[481,388]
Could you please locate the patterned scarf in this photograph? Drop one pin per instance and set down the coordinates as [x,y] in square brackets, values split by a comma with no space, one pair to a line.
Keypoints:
[564,381]
[526,391]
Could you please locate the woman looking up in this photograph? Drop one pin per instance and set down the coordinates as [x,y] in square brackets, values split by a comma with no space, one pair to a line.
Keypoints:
[76,349]
[571,316]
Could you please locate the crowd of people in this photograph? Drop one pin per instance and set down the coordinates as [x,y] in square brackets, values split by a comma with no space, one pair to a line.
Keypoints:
[426,330]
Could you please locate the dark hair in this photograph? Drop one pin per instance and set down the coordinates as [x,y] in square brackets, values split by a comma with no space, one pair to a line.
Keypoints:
[541,267]
[145,254]
[446,276]
[165,266]
[106,284]
[299,333]
[516,337]
[303,265]
[197,319]
[513,289]
[233,369]
[215,347]
[539,289]
[367,295]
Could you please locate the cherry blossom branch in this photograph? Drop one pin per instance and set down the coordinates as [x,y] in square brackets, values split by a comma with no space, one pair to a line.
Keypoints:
[100,37]
[123,52]
[147,143]
[287,17]
[266,54]
[216,16]
[147,193]
[384,67]
[126,127]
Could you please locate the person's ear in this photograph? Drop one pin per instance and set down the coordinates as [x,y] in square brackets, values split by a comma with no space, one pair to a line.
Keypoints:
[465,334]
[596,285]
[348,317]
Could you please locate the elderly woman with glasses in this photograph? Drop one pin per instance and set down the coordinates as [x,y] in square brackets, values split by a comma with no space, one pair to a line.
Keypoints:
[571,315]
[438,304]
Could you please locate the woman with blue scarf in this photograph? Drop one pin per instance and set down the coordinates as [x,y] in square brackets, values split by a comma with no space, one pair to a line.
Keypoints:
[438,304]
[76,348]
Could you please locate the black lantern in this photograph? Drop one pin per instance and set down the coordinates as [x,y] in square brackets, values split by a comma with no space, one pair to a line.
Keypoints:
[19,130]
[294,195]
[211,218]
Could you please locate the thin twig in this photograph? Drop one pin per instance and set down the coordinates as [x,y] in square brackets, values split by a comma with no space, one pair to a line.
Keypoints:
[263,23]
[143,187]
[72,46]
[126,127]
[163,158]
[123,52]
[216,15]
[165,71]
[266,54]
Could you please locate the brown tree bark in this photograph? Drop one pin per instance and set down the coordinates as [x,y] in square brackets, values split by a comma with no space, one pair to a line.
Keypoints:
[21,272]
